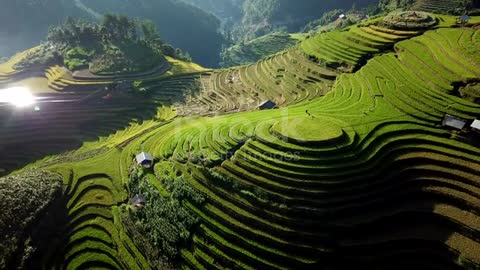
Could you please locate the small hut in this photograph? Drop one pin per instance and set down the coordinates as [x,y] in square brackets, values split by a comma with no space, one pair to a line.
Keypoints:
[454,122]
[144,159]
[138,201]
[267,105]
[464,19]
[475,126]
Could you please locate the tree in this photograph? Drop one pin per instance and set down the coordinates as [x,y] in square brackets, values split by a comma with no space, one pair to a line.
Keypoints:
[108,25]
[149,30]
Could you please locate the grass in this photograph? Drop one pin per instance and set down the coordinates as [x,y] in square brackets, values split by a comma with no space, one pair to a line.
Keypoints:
[307,130]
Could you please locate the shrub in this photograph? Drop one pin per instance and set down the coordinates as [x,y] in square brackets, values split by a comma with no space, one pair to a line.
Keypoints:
[23,199]
[167,223]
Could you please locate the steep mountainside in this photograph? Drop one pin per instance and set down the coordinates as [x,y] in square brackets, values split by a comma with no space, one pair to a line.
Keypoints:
[181,24]
[25,23]
[262,16]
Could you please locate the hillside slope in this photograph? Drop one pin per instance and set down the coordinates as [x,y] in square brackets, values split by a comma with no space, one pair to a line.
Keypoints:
[24,24]
[365,176]
[256,49]
[195,31]
[261,17]
[353,171]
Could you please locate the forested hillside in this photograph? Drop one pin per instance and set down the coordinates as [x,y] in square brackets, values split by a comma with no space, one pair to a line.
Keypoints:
[25,223]
[181,24]
[24,24]
[262,16]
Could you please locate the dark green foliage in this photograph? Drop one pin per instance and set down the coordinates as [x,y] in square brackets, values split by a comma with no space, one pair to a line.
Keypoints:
[23,200]
[77,58]
[471,92]
[390,5]
[136,232]
[24,23]
[165,221]
[181,24]
[149,30]
[114,46]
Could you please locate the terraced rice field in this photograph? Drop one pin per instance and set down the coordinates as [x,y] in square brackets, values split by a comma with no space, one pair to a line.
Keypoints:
[356,173]
[7,69]
[349,49]
[385,186]
[286,78]
[71,111]
[435,6]
[258,49]
[95,236]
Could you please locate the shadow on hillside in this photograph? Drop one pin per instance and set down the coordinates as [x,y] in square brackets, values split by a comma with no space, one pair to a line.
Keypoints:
[47,237]
[406,225]
[27,135]
[403,215]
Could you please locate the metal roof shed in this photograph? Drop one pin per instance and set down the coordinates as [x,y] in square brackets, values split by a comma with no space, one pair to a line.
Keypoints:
[144,159]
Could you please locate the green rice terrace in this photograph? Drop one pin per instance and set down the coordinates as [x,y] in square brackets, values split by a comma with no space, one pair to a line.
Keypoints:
[254,50]
[358,163]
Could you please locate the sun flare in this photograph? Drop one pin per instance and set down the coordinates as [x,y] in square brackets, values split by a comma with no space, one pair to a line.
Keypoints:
[18,96]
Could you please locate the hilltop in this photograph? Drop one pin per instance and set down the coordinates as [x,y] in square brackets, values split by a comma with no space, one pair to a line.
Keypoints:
[111,48]
[25,23]
[358,167]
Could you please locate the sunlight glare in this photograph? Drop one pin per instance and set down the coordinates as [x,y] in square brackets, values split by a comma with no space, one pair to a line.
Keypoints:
[18,96]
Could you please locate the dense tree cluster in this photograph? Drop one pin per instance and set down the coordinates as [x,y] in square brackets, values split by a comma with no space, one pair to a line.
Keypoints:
[390,5]
[24,199]
[24,23]
[185,26]
[165,221]
[112,28]
[117,44]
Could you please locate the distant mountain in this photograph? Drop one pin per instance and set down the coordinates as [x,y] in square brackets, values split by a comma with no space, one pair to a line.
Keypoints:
[24,23]
[264,16]
[225,10]
[183,25]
